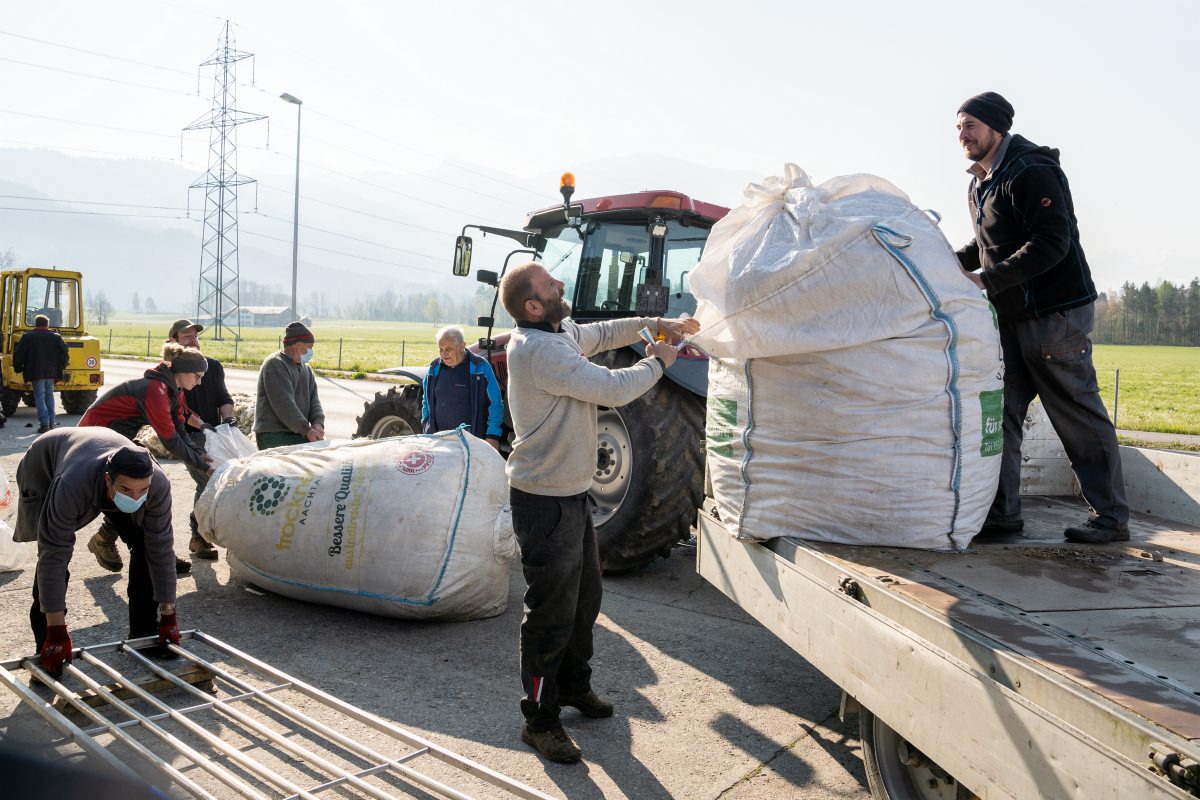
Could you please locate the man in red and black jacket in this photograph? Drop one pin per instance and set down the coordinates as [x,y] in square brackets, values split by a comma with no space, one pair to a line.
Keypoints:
[1026,255]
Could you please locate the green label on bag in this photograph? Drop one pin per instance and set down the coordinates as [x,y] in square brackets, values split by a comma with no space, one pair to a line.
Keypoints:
[991,404]
[720,426]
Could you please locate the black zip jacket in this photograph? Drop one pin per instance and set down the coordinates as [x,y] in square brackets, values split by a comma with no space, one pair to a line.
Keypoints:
[41,355]
[1026,236]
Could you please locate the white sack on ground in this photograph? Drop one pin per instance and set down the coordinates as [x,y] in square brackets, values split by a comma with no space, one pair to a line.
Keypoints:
[855,390]
[413,526]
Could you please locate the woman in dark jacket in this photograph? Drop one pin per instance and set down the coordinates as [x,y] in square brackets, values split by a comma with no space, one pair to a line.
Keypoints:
[156,399]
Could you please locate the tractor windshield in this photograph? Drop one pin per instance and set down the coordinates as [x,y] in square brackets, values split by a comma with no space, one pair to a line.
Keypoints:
[602,271]
[55,298]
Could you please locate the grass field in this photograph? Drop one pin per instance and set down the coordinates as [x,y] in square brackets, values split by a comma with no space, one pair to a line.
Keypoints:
[347,345]
[1159,389]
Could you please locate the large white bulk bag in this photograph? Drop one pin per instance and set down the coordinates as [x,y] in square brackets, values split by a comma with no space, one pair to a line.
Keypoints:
[855,390]
[415,526]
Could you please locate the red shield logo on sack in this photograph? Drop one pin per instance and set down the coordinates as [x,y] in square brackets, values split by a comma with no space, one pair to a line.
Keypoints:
[414,462]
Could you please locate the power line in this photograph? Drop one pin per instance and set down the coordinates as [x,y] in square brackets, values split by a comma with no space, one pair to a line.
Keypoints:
[95,53]
[97,77]
[347,255]
[383,188]
[88,124]
[88,202]
[409,172]
[90,213]
[342,236]
[454,164]
[392,220]
[44,146]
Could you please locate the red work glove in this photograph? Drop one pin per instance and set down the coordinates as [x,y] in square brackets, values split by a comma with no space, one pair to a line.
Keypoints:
[168,629]
[56,649]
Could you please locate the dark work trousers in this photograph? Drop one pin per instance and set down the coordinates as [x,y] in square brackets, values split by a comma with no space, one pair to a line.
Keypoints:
[1051,358]
[560,557]
[200,476]
[143,610]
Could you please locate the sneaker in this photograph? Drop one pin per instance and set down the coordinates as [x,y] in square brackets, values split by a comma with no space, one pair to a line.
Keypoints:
[589,704]
[43,428]
[106,553]
[201,548]
[993,526]
[554,744]
[1093,532]
[182,567]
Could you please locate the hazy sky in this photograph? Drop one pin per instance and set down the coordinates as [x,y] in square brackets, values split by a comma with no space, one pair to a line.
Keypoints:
[530,89]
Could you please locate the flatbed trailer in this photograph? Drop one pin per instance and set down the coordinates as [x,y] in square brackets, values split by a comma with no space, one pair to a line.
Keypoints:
[1027,667]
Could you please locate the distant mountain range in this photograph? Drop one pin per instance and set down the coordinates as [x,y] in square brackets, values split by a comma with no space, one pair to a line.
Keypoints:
[133,234]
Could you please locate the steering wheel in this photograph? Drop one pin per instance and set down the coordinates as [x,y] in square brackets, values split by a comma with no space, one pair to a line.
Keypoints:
[612,305]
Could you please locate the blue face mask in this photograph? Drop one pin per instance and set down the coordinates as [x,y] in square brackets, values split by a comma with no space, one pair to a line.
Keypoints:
[127,504]
[306,356]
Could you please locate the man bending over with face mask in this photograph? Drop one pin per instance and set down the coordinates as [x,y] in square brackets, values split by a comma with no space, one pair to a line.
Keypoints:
[68,478]
[288,411]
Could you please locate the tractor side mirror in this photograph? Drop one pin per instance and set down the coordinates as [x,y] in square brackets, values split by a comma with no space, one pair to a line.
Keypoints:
[488,277]
[462,256]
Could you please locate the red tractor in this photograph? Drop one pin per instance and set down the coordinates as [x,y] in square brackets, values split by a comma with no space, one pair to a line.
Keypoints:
[619,256]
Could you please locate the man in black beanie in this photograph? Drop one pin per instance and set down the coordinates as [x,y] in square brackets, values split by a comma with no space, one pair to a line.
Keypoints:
[70,476]
[287,410]
[1026,255]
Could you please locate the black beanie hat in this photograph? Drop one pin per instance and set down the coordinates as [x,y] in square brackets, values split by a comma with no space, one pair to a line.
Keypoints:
[296,332]
[991,109]
[132,462]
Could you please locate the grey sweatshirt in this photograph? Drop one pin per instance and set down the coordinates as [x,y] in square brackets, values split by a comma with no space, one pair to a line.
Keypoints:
[553,391]
[61,485]
[287,397]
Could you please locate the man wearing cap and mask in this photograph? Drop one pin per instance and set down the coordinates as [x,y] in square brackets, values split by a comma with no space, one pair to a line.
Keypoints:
[211,402]
[1026,255]
[287,410]
[70,476]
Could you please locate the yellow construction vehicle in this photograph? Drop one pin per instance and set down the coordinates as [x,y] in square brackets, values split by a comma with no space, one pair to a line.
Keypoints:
[58,294]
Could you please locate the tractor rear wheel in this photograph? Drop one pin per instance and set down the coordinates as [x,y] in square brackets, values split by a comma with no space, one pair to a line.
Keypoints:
[77,402]
[396,412]
[649,477]
[27,399]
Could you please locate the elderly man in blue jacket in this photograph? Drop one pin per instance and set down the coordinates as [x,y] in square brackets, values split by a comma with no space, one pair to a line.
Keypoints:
[459,388]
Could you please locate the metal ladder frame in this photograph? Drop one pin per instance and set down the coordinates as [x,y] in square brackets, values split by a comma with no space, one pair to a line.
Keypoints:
[332,740]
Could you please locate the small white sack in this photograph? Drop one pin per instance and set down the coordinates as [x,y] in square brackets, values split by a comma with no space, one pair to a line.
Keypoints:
[225,443]
[415,527]
[13,555]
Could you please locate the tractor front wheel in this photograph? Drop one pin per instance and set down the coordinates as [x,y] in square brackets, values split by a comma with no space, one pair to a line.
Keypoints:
[77,402]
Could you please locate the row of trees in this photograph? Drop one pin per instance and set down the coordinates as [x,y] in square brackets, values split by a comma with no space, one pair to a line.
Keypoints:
[1166,314]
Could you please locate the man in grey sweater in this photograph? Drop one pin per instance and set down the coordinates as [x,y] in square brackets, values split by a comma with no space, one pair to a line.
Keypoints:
[68,478]
[553,392]
[287,410]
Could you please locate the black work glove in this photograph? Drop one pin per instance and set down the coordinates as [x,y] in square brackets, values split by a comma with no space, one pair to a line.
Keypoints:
[230,421]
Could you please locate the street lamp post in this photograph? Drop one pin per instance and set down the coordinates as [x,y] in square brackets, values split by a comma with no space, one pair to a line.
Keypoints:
[296,210]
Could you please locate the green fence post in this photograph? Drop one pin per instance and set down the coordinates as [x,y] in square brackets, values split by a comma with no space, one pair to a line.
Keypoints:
[402,343]
[147,342]
[339,352]
[235,344]
[110,341]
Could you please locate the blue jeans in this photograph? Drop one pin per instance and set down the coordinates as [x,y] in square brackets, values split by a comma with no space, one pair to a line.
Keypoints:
[43,396]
